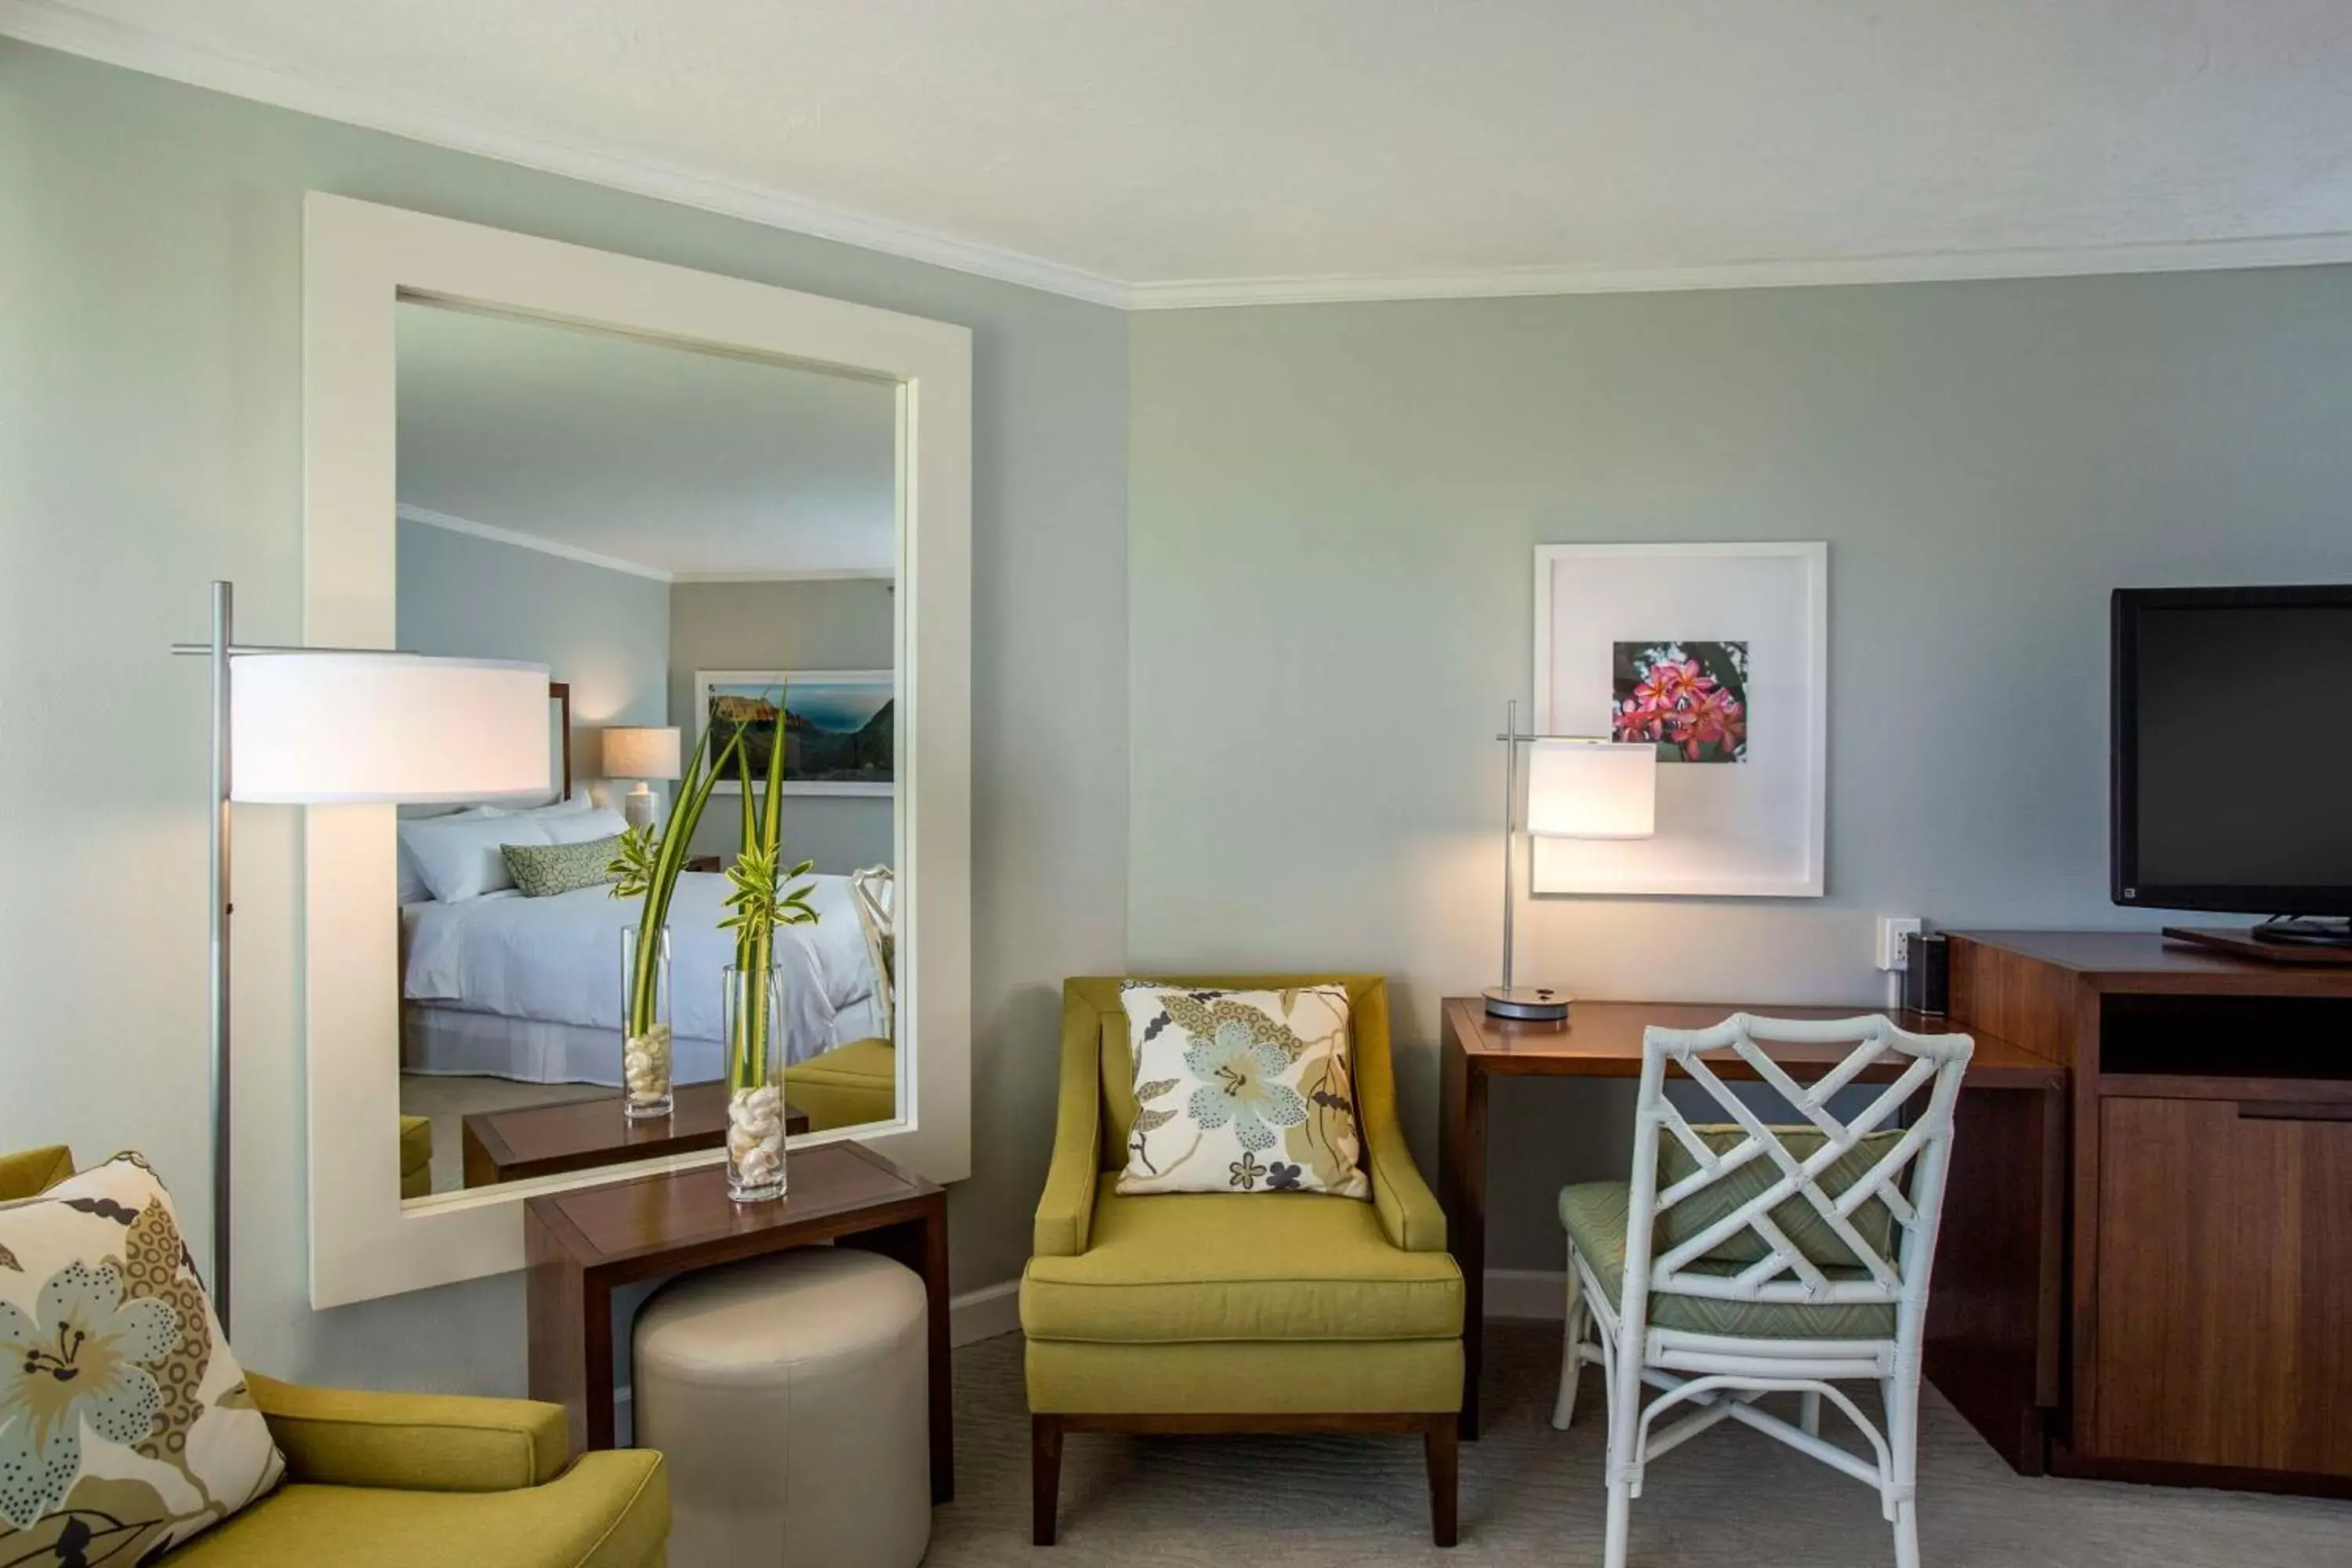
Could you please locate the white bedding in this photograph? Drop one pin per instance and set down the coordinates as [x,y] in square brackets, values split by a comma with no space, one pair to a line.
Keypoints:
[558,960]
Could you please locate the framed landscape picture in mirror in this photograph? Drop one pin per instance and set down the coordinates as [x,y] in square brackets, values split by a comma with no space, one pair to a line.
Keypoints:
[837,726]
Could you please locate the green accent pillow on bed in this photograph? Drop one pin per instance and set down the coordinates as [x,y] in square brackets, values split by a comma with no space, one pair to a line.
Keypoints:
[542,870]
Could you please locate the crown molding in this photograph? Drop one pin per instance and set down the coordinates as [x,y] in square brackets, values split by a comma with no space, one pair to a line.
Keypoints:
[2188,255]
[71,30]
[57,25]
[467,525]
[840,574]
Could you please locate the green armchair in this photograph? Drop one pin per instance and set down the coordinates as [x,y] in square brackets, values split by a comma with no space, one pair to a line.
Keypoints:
[1235,1312]
[410,1480]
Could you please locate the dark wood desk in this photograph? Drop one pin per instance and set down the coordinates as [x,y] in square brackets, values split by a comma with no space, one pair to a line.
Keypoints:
[548,1139]
[1993,1316]
[578,1247]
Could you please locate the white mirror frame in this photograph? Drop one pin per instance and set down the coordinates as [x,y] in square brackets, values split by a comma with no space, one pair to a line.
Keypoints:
[358,260]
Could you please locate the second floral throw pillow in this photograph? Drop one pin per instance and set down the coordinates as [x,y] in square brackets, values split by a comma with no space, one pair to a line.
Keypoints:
[1242,1092]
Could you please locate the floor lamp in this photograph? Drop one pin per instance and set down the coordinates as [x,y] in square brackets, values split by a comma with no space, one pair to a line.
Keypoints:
[306,726]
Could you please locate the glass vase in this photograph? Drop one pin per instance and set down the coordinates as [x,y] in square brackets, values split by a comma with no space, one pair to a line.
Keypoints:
[645,1028]
[754,1032]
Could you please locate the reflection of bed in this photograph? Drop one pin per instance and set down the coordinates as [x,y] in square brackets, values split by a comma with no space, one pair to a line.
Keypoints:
[507,986]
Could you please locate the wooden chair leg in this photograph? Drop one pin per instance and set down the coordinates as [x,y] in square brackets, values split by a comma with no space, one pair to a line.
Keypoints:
[1045,1477]
[1441,1445]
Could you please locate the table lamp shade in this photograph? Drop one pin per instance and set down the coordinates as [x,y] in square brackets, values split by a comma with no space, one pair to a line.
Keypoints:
[649,752]
[1592,789]
[317,728]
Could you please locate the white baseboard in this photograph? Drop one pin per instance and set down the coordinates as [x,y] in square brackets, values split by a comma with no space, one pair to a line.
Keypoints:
[1539,1293]
[984,1313]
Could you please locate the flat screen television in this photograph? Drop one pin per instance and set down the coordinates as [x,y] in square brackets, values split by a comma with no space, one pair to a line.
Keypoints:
[2232,767]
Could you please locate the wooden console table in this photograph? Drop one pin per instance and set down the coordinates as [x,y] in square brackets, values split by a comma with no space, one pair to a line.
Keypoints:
[549,1140]
[579,1245]
[1993,1318]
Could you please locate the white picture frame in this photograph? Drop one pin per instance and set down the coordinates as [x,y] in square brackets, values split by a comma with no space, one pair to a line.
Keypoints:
[706,681]
[1749,825]
[360,260]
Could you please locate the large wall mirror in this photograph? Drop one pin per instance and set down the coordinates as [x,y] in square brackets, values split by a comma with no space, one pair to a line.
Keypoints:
[730,519]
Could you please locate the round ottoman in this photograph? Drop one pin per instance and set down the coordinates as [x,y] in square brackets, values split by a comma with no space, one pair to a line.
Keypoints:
[790,1396]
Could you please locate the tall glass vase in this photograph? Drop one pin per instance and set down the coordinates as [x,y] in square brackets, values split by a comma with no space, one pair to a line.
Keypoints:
[645,1028]
[755,1084]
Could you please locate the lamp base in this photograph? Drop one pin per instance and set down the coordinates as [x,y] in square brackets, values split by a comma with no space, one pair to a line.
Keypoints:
[1528,1003]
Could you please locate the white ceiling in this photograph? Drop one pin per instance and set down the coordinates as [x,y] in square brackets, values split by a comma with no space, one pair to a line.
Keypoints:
[675,461]
[1224,150]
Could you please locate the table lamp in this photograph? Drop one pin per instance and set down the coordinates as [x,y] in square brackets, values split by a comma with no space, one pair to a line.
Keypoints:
[641,753]
[1577,787]
[299,726]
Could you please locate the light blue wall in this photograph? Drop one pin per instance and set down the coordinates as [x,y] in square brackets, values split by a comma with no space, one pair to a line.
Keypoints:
[150,439]
[603,632]
[820,623]
[1332,518]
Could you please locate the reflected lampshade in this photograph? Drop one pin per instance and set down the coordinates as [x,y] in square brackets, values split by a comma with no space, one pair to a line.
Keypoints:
[648,752]
[320,728]
[1592,789]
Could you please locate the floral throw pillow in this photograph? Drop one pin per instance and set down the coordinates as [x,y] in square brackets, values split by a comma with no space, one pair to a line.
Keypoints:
[1242,1092]
[125,1425]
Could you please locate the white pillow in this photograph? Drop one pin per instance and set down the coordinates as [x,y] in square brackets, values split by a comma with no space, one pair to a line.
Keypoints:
[412,889]
[576,804]
[458,856]
[580,826]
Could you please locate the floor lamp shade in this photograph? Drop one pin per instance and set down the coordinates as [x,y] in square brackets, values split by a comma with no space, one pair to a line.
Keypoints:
[317,728]
[640,752]
[1591,789]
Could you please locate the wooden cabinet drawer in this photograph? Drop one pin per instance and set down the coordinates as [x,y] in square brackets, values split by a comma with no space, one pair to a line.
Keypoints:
[2222,1334]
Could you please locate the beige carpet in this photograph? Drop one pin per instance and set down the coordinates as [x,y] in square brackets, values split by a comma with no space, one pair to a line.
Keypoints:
[1732,1498]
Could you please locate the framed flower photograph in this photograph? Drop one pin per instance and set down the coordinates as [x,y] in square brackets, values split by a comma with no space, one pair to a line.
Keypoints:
[1719,656]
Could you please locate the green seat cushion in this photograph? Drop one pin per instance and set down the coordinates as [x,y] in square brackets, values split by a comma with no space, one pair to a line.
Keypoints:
[847,1086]
[1288,1377]
[1595,1213]
[1799,1220]
[610,1510]
[1177,1268]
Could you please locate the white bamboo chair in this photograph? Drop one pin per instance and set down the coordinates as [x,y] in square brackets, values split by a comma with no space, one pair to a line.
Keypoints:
[1731,1308]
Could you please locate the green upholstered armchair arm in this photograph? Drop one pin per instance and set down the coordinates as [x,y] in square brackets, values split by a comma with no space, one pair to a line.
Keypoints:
[1066,1207]
[1409,1212]
[414,1442]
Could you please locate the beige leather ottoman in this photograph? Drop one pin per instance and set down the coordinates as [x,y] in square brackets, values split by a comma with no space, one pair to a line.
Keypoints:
[789,1396]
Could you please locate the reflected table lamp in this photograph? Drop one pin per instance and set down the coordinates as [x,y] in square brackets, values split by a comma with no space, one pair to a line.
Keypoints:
[302,726]
[641,753]
[1577,787]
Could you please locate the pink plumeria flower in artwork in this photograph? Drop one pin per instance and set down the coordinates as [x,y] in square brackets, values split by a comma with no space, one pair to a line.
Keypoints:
[1714,719]
[1671,683]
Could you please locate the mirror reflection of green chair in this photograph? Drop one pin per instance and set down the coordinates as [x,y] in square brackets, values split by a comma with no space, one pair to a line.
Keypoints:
[1188,1313]
[416,1156]
[419,1481]
[848,1086]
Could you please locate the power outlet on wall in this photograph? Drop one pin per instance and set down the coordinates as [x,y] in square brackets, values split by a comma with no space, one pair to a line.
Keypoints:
[1891,930]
